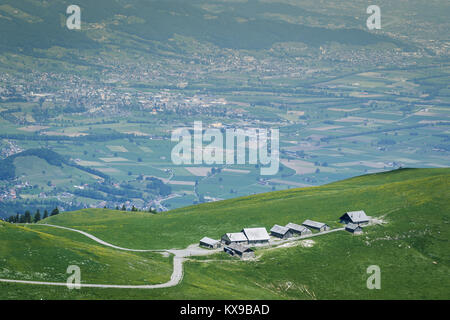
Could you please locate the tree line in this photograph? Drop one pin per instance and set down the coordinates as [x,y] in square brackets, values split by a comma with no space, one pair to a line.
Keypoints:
[28,217]
[134,209]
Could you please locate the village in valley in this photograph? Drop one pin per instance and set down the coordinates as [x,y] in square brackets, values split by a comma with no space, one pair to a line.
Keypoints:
[342,110]
[239,244]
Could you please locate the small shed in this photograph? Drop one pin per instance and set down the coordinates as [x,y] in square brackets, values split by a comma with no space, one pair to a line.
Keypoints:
[316,225]
[236,237]
[210,243]
[280,232]
[298,229]
[256,236]
[356,217]
[354,228]
[240,251]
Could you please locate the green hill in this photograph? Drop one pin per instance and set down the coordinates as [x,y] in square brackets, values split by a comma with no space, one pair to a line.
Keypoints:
[377,194]
[38,254]
[411,247]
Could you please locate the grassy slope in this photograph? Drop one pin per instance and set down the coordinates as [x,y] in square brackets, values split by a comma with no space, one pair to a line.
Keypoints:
[376,194]
[411,249]
[39,253]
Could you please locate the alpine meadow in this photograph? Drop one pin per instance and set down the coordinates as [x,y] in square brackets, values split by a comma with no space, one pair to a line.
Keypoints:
[202,151]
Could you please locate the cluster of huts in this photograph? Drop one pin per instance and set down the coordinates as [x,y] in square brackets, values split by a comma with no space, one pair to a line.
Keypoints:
[238,243]
[291,229]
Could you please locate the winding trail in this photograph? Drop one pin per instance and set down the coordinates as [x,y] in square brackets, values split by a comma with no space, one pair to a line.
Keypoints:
[175,279]
[179,257]
[90,236]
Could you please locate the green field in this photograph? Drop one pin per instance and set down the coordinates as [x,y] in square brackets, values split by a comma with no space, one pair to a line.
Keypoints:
[377,194]
[38,253]
[411,247]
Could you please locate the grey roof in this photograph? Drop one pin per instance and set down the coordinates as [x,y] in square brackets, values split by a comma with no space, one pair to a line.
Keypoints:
[352,226]
[296,227]
[256,234]
[279,229]
[358,216]
[239,248]
[313,224]
[236,236]
[209,241]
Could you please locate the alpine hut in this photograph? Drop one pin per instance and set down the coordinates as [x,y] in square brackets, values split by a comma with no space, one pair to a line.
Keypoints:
[280,232]
[236,237]
[354,228]
[316,225]
[209,243]
[356,217]
[240,251]
[298,229]
[256,236]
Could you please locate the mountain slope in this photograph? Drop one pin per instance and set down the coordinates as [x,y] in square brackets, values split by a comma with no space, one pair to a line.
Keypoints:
[36,253]
[377,194]
[247,25]
[410,247]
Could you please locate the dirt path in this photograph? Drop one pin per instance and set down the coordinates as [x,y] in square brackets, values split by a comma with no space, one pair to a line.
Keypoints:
[175,279]
[90,236]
